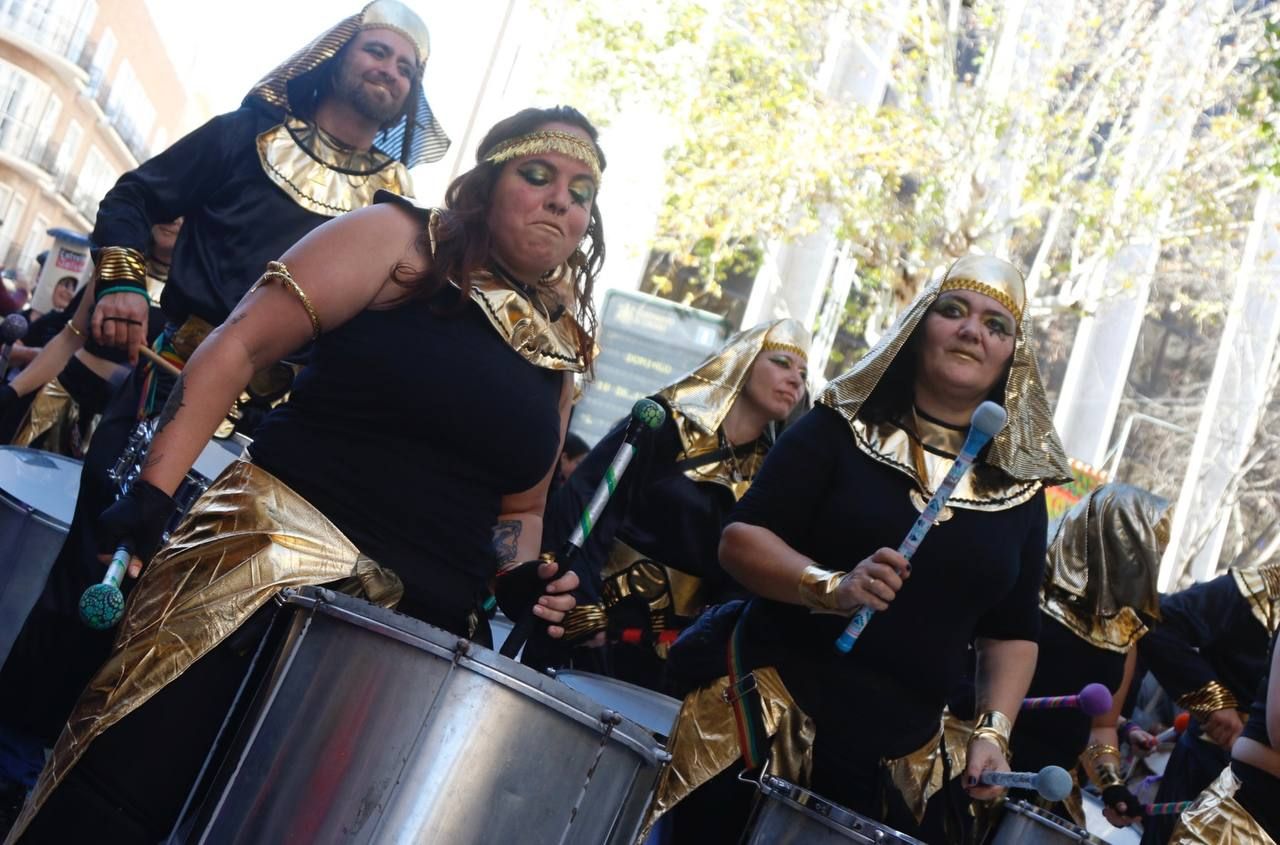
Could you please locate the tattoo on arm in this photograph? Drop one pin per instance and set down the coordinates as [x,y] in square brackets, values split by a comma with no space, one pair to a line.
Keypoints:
[174,404]
[166,416]
[506,541]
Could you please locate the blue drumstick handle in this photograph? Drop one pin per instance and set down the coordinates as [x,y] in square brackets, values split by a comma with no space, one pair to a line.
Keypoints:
[973,444]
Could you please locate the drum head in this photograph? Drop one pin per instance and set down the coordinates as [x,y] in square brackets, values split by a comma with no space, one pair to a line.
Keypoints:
[41,481]
[653,710]
[217,456]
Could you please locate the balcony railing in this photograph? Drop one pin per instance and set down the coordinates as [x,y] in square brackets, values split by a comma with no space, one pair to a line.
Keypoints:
[61,35]
[121,121]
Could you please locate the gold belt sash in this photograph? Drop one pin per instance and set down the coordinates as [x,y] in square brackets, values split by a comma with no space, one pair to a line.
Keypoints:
[248,537]
[51,411]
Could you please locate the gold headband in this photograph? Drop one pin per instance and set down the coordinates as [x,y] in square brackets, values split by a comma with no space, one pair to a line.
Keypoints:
[787,335]
[988,276]
[548,141]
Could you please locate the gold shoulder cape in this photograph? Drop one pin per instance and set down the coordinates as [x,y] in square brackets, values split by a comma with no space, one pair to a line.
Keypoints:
[1027,449]
[313,176]
[1101,570]
[248,537]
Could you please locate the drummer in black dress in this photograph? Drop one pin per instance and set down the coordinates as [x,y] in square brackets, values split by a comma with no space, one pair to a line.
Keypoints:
[651,558]
[815,537]
[431,410]
[1208,653]
[1243,804]
[1098,598]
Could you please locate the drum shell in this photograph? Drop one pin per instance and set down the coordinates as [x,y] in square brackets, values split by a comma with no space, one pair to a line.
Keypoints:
[1023,823]
[790,815]
[30,535]
[373,727]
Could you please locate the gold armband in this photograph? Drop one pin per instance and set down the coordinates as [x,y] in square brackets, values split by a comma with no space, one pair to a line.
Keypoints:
[277,270]
[1209,698]
[121,264]
[1102,774]
[817,589]
[994,726]
[585,620]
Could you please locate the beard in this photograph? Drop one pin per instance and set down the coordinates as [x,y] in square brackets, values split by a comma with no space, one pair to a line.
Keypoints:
[351,88]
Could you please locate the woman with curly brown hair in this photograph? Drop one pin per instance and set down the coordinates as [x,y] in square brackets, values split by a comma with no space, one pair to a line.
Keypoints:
[427,421]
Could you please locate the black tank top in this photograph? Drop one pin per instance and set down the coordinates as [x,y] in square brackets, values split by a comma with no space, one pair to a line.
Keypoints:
[406,428]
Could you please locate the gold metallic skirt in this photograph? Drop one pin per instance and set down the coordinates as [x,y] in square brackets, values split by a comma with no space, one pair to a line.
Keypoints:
[704,741]
[52,410]
[1216,818]
[248,537]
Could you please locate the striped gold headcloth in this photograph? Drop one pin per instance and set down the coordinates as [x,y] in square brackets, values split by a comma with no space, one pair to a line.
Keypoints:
[704,396]
[416,139]
[1028,448]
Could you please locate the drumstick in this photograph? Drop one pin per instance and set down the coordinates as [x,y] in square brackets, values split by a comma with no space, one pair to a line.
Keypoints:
[160,361]
[1180,723]
[646,415]
[1052,782]
[1171,808]
[1093,700]
[987,420]
[102,605]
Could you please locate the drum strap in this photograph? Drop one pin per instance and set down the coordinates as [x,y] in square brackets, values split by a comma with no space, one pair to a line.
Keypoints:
[744,697]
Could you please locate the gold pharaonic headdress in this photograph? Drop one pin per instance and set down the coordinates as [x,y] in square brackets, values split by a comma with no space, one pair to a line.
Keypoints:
[1028,448]
[1104,559]
[703,397]
[548,141]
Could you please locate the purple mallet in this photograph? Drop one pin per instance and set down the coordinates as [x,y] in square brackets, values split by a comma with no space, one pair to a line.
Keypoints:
[1093,700]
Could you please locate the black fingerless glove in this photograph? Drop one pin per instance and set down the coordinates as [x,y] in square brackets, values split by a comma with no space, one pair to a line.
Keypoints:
[1118,794]
[517,587]
[137,519]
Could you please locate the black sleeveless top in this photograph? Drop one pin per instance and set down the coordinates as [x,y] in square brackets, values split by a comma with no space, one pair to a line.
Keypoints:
[406,428]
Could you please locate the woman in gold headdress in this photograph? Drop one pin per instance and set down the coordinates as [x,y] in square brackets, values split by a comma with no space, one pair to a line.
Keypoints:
[432,408]
[815,535]
[1099,596]
[650,563]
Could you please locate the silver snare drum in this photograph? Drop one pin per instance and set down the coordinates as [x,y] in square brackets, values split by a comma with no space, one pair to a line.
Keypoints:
[1026,823]
[372,727]
[37,500]
[787,814]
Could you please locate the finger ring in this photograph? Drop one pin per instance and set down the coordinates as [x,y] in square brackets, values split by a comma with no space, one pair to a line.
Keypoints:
[872,581]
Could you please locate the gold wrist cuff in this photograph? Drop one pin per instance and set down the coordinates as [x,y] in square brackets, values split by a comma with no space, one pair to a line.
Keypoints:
[1211,697]
[278,271]
[817,589]
[994,726]
[1103,774]
[584,621]
[121,264]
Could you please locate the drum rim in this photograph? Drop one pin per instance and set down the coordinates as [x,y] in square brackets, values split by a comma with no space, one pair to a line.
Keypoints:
[478,659]
[641,693]
[786,792]
[1058,823]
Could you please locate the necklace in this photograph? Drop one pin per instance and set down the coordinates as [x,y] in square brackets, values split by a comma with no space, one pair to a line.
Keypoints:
[917,495]
[735,468]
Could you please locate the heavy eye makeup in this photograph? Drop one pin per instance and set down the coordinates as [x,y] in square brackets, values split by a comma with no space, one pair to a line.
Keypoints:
[954,307]
[583,190]
[786,363]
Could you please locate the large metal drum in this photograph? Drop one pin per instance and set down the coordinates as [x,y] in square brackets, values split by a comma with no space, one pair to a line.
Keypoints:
[372,727]
[649,709]
[787,814]
[37,500]
[1026,824]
